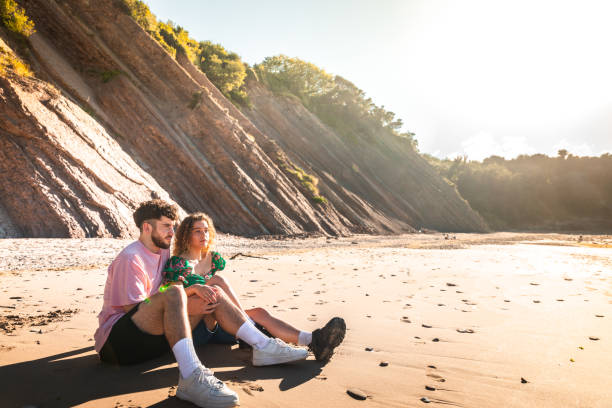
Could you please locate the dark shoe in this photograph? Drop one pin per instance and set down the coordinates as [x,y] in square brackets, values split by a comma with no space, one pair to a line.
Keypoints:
[327,338]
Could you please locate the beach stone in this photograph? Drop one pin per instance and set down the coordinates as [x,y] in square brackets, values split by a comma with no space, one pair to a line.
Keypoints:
[357,394]
[425,400]
[435,340]
[432,366]
[369,349]
[524,381]
[384,363]
[426,326]
[593,338]
[429,388]
[450,284]
[465,330]
[599,315]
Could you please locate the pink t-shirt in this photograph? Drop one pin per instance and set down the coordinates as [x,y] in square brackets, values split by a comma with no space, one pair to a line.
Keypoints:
[134,275]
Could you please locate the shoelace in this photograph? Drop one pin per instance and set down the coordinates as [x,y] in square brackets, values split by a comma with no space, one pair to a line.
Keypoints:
[208,376]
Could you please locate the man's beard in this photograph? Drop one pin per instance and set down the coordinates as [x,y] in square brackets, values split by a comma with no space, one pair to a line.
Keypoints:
[159,242]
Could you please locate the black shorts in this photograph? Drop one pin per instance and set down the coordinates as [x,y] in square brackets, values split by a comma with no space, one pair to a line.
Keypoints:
[127,344]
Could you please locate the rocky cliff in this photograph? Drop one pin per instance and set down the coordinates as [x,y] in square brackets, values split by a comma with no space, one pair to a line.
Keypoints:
[111,119]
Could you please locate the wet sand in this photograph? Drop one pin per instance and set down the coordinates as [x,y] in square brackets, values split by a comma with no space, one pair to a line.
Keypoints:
[459,321]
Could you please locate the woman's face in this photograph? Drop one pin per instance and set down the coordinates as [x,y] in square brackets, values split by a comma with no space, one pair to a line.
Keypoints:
[199,237]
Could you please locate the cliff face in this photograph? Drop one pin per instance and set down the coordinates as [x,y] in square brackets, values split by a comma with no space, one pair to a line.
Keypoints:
[114,120]
[380,184]
[62,174]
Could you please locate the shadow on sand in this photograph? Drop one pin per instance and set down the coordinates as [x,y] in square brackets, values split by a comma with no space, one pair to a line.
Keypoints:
[78,376]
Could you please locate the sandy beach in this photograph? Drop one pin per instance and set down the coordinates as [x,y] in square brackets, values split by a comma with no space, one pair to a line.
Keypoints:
[466,320]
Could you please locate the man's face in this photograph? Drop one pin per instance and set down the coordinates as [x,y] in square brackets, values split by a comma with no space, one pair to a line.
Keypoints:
[162,232]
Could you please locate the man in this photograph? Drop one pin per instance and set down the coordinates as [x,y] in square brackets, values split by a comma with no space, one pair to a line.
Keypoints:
[138,322]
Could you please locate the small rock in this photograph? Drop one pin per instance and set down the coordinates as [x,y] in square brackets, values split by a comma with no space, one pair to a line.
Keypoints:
[384,363]
[465,330]
[432,366]
[428,388]
[593,338]
[369,349]
[524,381]
[426,326]
[425,400]
[357,394]
[536,301]
[451,284]
[435,339]
[599,315]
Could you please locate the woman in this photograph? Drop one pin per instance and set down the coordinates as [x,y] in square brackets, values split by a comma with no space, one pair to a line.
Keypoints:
[194,261]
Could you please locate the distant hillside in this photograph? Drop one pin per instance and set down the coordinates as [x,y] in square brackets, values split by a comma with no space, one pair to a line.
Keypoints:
[564,193]
[110,116]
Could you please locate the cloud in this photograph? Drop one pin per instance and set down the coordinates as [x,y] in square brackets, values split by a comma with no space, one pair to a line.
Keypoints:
[483,144]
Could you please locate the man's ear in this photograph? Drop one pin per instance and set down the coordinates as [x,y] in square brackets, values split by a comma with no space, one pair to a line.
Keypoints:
[146,227]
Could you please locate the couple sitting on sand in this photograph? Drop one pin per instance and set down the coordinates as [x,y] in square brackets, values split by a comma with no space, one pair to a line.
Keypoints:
[154,303]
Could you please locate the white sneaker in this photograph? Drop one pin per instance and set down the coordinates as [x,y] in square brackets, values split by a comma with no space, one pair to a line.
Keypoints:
[205,390]
[277,352]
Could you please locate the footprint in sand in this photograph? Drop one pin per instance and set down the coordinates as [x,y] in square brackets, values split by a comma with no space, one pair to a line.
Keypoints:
[436,377]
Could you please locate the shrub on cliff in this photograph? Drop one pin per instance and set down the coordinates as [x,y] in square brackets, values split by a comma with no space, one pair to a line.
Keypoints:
[15,20]
[10,63]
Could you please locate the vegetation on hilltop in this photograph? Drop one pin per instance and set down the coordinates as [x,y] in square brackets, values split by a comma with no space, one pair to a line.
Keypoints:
[534,191]
[224,69]
[336,101]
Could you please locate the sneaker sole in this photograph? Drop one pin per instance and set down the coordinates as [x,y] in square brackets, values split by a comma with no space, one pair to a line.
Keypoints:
[335,339]
[210,404]
[276,360]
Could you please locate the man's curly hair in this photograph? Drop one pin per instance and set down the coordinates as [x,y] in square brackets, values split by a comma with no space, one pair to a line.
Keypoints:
[154,210]
[181,237]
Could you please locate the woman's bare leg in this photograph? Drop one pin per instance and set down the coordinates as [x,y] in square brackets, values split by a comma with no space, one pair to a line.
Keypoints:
[275,326]
[224,284]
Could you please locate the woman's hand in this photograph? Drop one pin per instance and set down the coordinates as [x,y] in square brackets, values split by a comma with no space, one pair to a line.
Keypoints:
[206,293]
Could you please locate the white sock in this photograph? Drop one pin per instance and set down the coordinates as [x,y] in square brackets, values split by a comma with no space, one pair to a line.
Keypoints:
[249,333]
[304,338]
[186,356]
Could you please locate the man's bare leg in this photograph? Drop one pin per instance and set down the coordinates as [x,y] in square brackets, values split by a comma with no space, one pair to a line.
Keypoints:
[165,313]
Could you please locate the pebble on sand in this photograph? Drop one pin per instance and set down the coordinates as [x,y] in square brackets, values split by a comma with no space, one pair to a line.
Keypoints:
[425,400]
[369,349]
[357,394]
[429,388]
[593,338]
[384,363]
[524,381]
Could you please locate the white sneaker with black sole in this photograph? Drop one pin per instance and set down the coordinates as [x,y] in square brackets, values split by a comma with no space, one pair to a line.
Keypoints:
[277,352]
[205,390]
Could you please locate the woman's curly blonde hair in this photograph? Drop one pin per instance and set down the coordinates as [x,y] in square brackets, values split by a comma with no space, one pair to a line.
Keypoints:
[181,237]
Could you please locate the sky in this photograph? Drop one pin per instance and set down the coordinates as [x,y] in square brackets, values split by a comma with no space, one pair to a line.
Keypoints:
[470,77]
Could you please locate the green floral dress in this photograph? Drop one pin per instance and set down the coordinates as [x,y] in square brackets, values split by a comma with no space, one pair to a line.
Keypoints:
[178,269]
